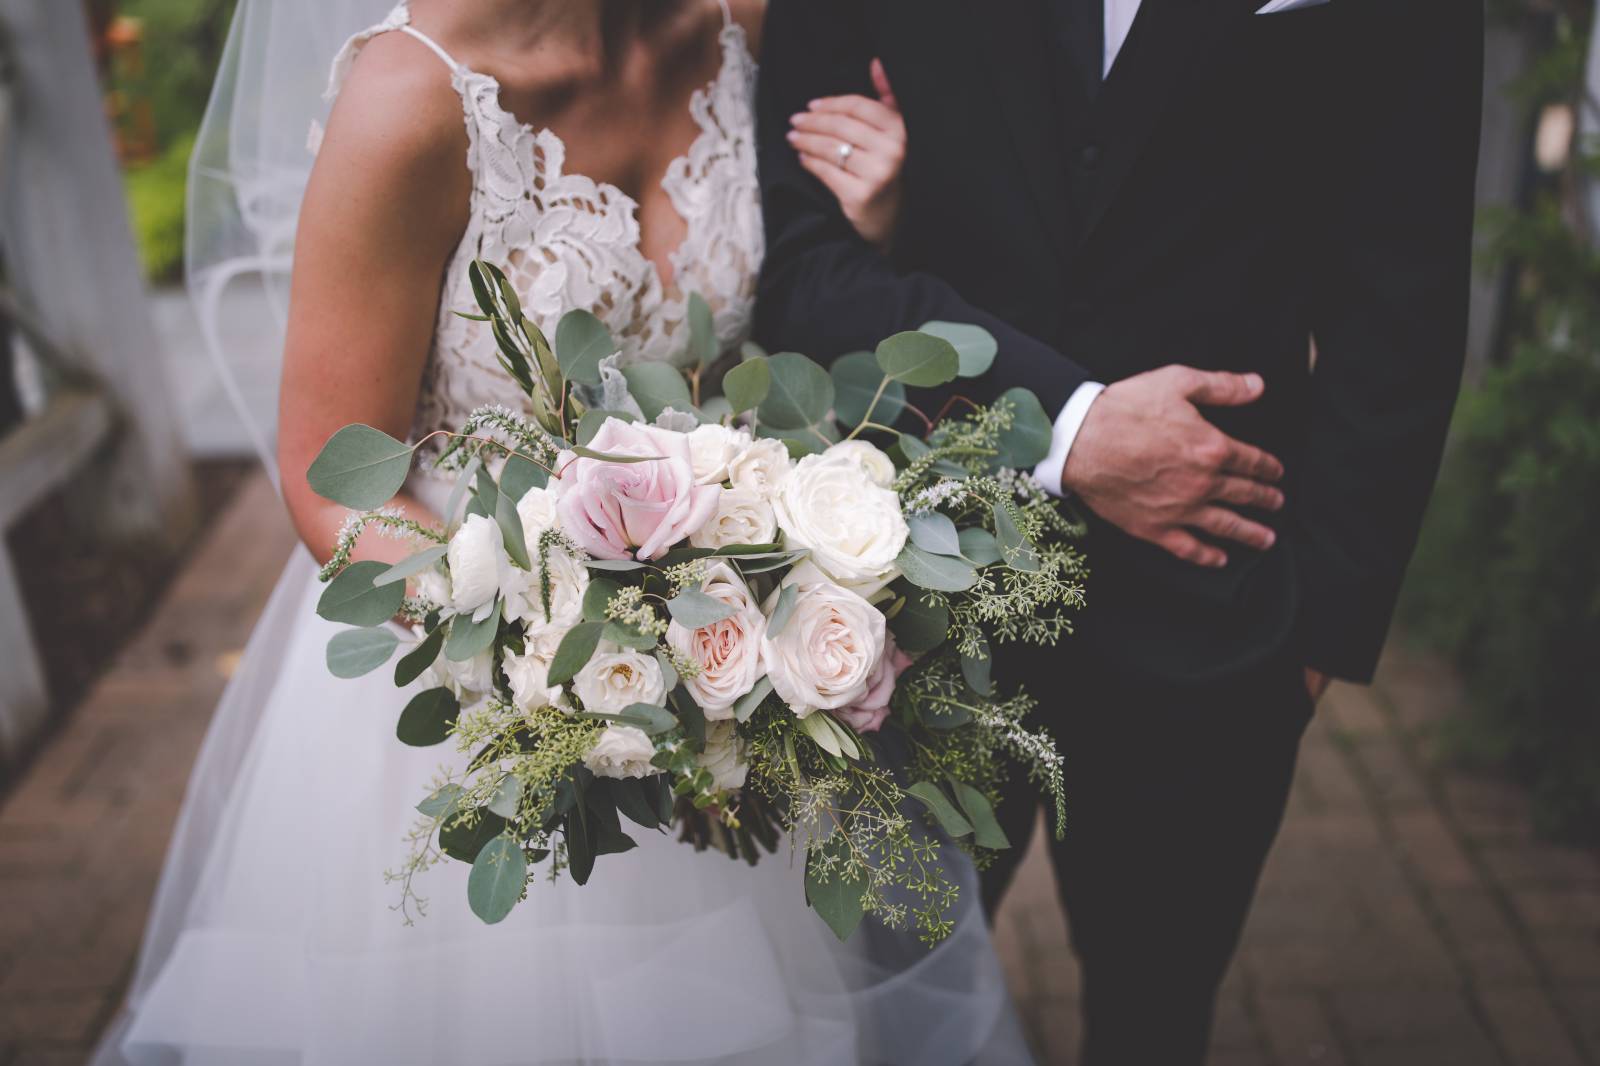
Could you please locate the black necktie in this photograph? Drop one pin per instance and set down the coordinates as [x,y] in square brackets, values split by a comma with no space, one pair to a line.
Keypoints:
[1082,26]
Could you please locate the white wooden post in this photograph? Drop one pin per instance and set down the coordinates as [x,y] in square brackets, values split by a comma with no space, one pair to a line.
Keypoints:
[71,257]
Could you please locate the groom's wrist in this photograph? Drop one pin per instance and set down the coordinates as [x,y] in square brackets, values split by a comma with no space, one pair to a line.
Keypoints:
[1062,435]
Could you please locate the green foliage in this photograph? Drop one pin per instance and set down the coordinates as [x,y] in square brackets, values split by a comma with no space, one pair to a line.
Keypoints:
[156,203]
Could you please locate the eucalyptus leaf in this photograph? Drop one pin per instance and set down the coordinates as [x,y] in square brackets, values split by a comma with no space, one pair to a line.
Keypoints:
[657,386]
[747,384]
[747,704]
[856,378]
[800,396]
[459,491]
[582,340]
[815,726]
[702,332]
[507,797]
[979,547]
[352,598]
[669,673]
[918,627]
[628,793]
[499,874]
[414,662]
[462,841]
[716,409]
[974,345]
[980,812]
[597,596]
[616,565]
[519,475]
[360,468]
[938,572]
[428,718]
[354,652]
[411,566]
[950,819]
[468,639]
[1015,549]
[934,532]
[591,421]
[574,652]
[628,636]
[693,609]
[612,457]
[443,803]
[510,523]
[1027,442]
[918,359]
[837,902]
[783,610]
[978,672]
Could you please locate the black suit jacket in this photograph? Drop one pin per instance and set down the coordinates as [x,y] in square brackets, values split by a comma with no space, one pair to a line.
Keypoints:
[1240,185]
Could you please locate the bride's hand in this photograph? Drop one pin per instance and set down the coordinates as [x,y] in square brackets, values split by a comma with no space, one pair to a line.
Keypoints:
[856,146]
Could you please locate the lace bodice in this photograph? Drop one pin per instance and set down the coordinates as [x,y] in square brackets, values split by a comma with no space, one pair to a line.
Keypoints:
[568,241]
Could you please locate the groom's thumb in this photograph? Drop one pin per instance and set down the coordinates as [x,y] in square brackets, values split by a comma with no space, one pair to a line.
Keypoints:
[1220,389]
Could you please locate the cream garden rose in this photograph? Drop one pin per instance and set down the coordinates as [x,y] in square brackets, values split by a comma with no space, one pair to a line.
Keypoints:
[728,652]
[743,516]
[878,467]
[612,681]
[621,751]
[712,447]
[762,468]
[529,672]
[479,566]
[852,525]
[826,655]
[568,581]
[537,512]
[724,756]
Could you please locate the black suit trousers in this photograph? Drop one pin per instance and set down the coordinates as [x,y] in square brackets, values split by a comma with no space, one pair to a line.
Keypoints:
[1174,796]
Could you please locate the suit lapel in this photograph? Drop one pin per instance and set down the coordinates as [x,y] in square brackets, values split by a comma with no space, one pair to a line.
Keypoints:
[1019,49]
[1167,39]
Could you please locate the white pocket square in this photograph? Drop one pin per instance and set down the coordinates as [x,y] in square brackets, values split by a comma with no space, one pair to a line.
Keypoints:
[1275,7]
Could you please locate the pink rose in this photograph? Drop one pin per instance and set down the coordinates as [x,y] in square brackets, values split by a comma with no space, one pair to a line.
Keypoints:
[617,510]
[867,714]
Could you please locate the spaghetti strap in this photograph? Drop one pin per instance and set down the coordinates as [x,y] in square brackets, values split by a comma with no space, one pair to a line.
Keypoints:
[727,13]
[438,50]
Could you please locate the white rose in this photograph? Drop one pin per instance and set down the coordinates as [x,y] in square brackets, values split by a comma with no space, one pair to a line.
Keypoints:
[825,656]
[878,467]
[468,680]
[569,580]
[728,652]
[611,682]
[712,447]
[529,673]
[762,468]
[433,585]
[621,751]
[854,528]
[742,516]
[479,566]
[537,510]
[724,756]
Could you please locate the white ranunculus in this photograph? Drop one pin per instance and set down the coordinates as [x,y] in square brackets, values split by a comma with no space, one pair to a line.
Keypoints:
[724,756]
[762,468]
[824,658]
[569,580]
[621,751]
[853,527]
[728,652]
[529,673]
[612,681]
[537,510]
[712,447]
[479,566]
[742,517]
[878,467]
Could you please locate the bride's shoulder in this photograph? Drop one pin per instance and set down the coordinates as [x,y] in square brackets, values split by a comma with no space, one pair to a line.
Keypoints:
[398,104]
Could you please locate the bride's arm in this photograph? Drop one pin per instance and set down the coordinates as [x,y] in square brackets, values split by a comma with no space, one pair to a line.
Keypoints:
[386,205]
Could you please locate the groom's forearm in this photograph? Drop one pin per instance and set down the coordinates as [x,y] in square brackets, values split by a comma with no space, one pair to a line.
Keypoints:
[824,291]
[1389,319]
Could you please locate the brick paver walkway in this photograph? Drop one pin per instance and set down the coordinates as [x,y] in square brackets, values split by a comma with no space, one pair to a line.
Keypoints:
[1407,917]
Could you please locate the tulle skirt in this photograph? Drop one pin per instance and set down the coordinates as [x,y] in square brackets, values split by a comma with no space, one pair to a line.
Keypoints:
[273,939]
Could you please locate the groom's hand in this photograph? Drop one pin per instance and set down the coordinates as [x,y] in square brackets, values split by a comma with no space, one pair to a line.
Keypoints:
[1147,462]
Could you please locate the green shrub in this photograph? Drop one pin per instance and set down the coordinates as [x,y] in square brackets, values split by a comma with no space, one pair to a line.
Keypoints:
[1507,578]
[156,210]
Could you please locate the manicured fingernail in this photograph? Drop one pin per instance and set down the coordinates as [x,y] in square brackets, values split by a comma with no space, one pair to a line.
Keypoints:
[1254,381]
[792,135]
[812,104]
[797,116]
[1272,538]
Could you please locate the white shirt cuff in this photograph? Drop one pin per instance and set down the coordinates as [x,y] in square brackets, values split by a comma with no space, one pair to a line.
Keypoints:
[1065,431]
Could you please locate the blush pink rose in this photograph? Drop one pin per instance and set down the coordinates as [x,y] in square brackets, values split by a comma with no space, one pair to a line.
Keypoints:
[867,714]
[622,510]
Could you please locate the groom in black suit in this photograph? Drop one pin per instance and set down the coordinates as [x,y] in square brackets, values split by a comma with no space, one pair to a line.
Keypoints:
[1175,199]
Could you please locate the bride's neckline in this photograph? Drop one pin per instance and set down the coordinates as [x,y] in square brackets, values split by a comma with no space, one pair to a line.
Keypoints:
[731,40]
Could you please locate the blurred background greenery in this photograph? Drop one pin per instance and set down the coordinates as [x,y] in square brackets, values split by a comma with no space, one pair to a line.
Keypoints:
[1507,578]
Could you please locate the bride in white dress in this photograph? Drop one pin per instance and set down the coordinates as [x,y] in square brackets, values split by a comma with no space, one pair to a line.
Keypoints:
[274,938]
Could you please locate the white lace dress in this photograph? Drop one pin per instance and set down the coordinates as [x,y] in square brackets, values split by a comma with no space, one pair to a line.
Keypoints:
[274,940]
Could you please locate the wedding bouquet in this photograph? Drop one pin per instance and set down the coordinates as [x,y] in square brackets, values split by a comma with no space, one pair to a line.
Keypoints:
[722,609]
